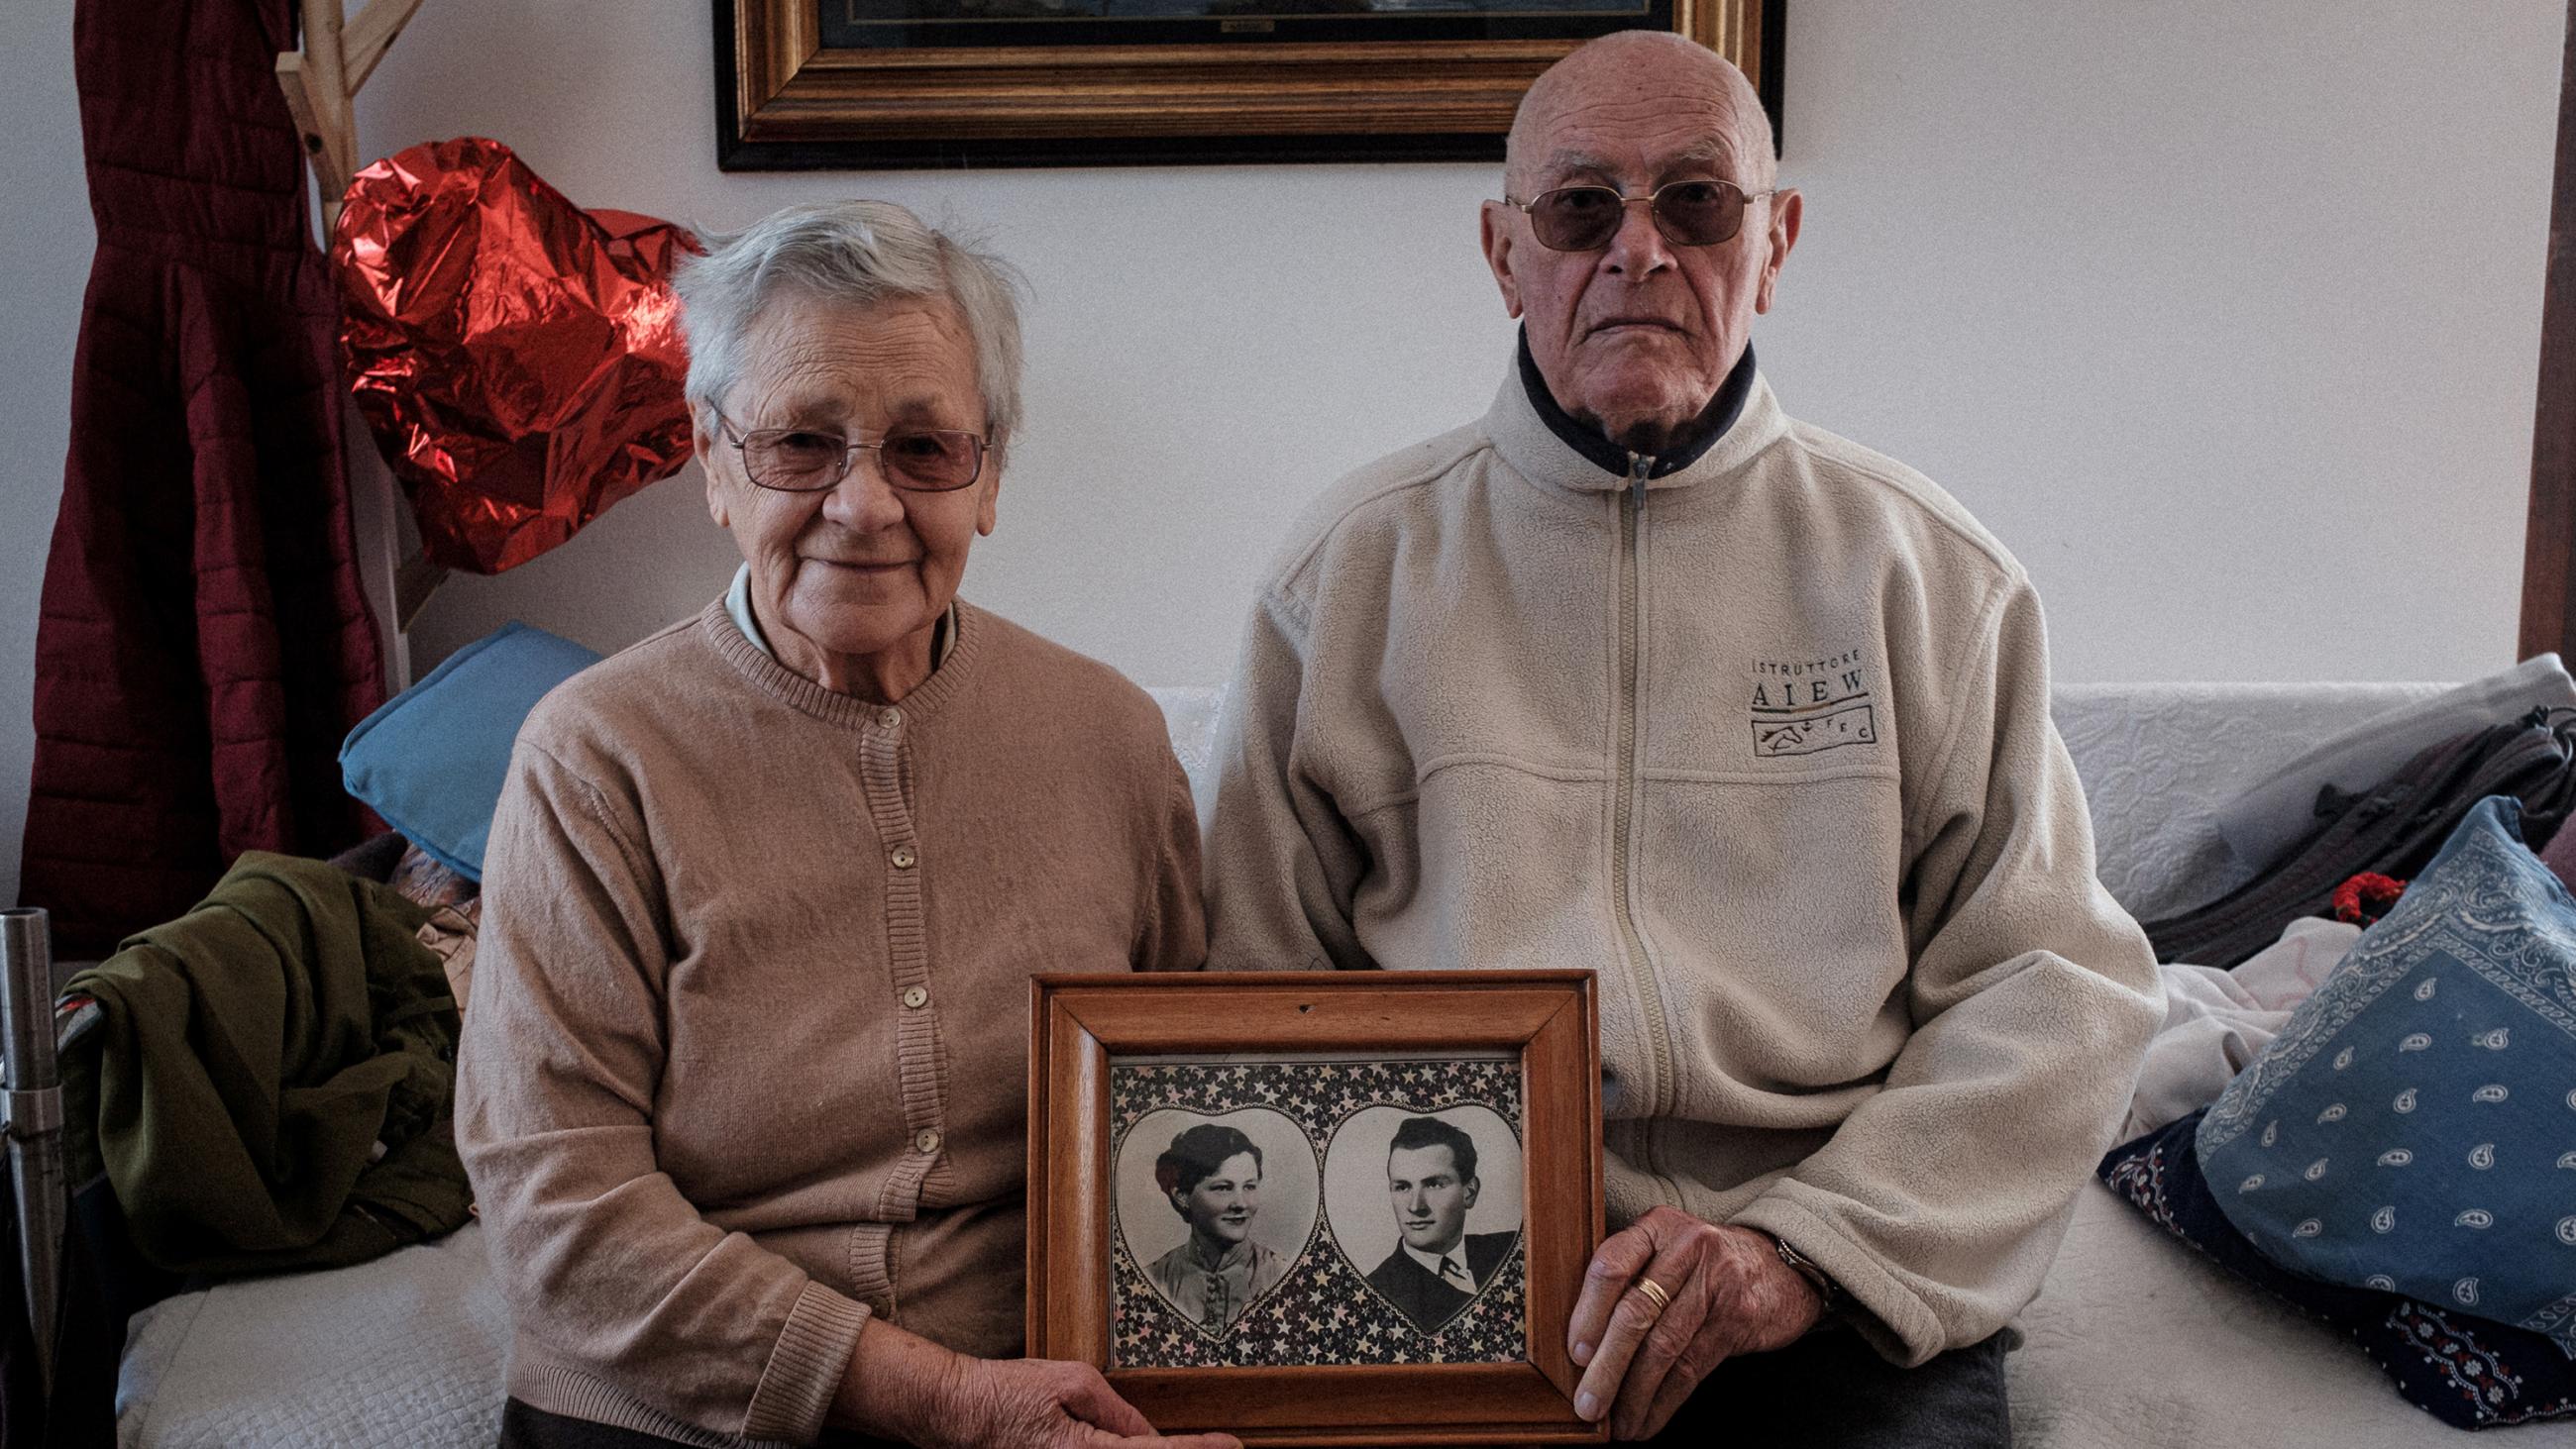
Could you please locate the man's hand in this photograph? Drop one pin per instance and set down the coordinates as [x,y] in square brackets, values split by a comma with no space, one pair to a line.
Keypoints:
[1729,1293]
[903,1386]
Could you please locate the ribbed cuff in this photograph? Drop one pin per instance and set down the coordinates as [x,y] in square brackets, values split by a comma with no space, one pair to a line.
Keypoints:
[806,1368]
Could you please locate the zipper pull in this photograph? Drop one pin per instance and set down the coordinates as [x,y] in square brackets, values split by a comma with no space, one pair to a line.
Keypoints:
[1639,465]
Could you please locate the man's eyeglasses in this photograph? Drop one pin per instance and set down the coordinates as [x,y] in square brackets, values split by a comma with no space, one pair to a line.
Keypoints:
[804,460]
[1687,213]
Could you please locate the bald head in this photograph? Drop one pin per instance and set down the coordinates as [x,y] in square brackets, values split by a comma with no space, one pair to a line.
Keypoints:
[1633,67]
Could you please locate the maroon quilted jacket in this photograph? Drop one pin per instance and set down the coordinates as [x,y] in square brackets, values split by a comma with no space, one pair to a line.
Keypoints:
[204,643]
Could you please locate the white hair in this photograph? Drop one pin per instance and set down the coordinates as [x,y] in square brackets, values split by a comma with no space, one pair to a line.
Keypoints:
[858,252]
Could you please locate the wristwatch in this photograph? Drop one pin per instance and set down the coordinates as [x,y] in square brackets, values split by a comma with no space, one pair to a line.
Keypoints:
[1827,1290]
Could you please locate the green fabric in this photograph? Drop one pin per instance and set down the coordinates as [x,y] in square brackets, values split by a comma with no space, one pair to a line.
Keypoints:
[254,1053]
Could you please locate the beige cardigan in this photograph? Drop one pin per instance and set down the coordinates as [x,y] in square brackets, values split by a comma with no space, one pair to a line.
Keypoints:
[1766,742]
[747,1056]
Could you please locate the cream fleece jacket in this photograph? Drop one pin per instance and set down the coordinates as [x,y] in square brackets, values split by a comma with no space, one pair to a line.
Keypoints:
[1764,741]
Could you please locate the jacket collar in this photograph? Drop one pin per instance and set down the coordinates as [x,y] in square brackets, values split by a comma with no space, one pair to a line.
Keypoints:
[1538,439]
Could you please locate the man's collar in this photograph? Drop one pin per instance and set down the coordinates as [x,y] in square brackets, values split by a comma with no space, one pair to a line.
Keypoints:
[1431,1261]
[1711,425]
[1552,458]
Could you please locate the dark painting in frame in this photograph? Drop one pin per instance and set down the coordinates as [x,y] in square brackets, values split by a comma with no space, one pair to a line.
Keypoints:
[1322,1090]
[886,84]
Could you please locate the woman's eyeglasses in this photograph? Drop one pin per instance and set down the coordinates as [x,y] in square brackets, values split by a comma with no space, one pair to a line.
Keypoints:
[804,460]
[1687,213]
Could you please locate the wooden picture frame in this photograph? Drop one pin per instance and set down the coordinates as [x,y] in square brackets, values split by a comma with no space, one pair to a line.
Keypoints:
[1205,91]
[1538,1029]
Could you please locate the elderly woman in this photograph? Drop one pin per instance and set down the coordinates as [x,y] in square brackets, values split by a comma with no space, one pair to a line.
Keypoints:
[742,1083]
[1212,1174]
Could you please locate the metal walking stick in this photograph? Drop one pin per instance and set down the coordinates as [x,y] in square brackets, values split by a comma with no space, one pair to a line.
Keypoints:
[34,1120]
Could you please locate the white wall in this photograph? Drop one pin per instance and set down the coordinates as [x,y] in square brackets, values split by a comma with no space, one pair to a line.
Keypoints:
[45,234]
[2225,317]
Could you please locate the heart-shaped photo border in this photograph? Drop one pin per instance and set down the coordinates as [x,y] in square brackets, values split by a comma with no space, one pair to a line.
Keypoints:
[1146,1227]
[1361,1219]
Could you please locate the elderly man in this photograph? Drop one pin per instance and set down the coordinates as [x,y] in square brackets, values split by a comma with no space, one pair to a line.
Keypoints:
[1637,673]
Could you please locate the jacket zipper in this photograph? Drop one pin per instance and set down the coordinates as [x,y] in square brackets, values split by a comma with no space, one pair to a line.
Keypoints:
[1623,829]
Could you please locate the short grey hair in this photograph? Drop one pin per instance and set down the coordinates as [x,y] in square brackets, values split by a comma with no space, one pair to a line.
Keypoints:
[859,252]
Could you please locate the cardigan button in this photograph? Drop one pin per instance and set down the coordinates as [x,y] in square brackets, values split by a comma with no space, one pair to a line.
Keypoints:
[892,719]
[902,857]
[916,997]
[927,1140]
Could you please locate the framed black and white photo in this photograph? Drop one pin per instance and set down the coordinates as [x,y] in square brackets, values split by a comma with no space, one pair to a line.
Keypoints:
[1304,1207]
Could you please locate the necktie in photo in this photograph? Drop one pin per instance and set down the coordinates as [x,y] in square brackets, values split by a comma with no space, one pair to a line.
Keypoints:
[1455,1276]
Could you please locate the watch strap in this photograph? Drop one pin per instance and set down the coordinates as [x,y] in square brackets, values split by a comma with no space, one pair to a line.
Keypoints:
[1827,1290]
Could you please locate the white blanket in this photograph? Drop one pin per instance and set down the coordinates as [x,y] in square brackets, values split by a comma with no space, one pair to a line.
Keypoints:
[2137,1342]
[2217,1021]
[403,1352]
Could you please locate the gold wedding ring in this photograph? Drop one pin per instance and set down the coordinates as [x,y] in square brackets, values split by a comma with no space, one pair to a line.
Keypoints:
[1655,1293]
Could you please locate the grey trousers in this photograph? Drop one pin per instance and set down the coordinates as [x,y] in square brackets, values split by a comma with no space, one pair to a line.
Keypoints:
[1831,1390]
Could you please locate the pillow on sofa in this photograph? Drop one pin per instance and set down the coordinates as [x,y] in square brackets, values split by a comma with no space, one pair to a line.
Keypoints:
[2412,1128]
[432,761]
[2279,810]
[2465,1371]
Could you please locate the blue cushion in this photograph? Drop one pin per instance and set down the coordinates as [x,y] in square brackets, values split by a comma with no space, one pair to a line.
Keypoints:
[2463,1370]
[2413,1127]
[431,762]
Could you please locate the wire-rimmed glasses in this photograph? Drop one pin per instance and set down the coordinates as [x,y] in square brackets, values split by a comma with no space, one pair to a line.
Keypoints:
[1700,213]
[810,460]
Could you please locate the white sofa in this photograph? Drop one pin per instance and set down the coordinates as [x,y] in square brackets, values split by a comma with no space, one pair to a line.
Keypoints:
[2134,1341]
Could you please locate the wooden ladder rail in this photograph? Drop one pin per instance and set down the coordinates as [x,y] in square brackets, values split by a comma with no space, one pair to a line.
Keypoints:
[321,84]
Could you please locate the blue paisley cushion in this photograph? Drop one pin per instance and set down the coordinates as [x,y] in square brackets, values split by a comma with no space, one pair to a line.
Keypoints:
[2413,1127]
[2463,1370]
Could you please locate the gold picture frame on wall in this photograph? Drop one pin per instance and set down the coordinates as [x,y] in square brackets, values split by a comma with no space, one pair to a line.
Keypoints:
[878,84]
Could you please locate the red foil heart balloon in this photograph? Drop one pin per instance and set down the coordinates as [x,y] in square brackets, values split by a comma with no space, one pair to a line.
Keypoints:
[519,359]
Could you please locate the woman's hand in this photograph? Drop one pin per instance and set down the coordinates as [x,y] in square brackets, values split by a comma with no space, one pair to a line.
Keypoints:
[1048,1404]
[903,1386]
[1727,1293]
